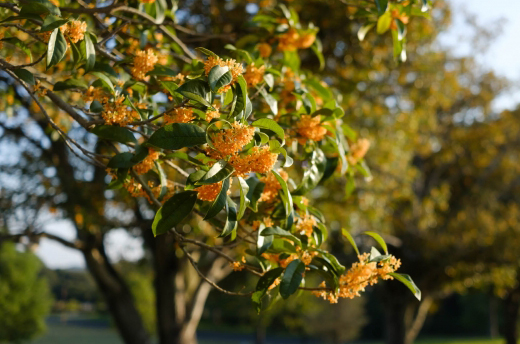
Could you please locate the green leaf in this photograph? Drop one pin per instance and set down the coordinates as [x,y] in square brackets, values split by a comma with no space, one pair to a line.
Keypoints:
[401,29]
[174,210]
[113,133]
[196,90]
[350,239]
[241,93]
[25,75]
[20,44]
[319,55]
[160,10]
[162,71]
[269,80]
[263,286]
[39,7]
[177,135]
[313,173]
[219,77]
[220,202]
[244,201]
[384,22]
[70,84]
[90,52]
[256,188]
[56,48]
[425,7]
[292,277]
[273,104]
[231,224]
[105,81]
[407,281]
[382,6]
[284,194]
[52,22]
[206,52]
[220,171]
[263,242]
[379,240]
[364,30]
[277,231]
[121,160]
[269,124]
[30,16]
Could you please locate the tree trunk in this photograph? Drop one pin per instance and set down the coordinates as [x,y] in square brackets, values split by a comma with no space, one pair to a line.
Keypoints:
[118,297]
[493,316]
[511,306]
[419,319]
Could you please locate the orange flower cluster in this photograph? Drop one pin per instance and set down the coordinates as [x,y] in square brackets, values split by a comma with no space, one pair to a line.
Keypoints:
[147,164]
[254,75]
[268,222]
[275,283]
[94,93]
[260,160]
[144,61]
[75,30]
[235,68]
[265,50]
[230,141]
[396,15]
[116,112]
[359,276]
[212,114]
[305,225]
[293,40]
[179,115]
[358,151]
[147,1]
[209,192]
[272,186]
[239,266]
[310,128]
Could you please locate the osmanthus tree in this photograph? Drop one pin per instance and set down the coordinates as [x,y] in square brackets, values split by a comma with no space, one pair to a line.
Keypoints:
[223,149]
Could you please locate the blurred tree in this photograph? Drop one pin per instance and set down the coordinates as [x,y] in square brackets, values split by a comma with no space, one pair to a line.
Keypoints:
[25,300]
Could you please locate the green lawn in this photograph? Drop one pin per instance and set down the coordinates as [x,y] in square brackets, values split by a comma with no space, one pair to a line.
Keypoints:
[63,333]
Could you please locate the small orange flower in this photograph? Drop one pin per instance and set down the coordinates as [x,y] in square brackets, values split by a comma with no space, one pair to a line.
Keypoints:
[261,160]
[358,151]
[179,115]
[254,75]
[75,30]
[310,128]
[147,164]
[305,225]
[265,50]
[231,141]
[272,186]
[209,192]
[144,61]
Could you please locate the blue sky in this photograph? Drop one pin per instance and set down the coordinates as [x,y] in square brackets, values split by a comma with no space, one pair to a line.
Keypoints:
[502,56]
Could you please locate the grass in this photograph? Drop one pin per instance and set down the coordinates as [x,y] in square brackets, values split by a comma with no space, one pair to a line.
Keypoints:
[66,333]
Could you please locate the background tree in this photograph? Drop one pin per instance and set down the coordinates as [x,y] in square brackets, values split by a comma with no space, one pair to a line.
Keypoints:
[25,300]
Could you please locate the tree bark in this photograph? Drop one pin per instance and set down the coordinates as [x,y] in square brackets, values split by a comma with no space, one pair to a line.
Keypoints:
[418,322]
[395,325]
[118,297]
[511,307]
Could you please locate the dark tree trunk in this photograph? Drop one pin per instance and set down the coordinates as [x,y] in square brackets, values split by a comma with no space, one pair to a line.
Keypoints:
[395,325]
[170,311]
[511,306]
[118,298]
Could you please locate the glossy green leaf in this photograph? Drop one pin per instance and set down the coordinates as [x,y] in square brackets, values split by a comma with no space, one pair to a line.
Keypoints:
[273,104]
[350,239]
[230,227]
[218,172]
[105,81]
[384,22]
[56,48]
[263,286]
[364,30]
[269,124]
[197,90]
[220,202]
[121,160]
[244,201]
[407,281]
[284,194]
[39,7]
[256,188]
[313,173]
[277,231]
[263,242]
[219,77]
[206,52]
[292,277]
[178,135]
[90,52]
[52,22]
[113,133]
[174,210]
[25,75]
[70,84]
[379,240]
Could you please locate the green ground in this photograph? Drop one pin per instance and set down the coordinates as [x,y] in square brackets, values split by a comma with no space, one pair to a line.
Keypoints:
[65,334]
